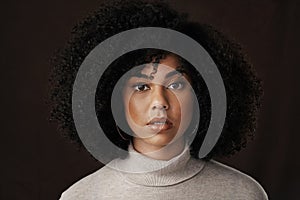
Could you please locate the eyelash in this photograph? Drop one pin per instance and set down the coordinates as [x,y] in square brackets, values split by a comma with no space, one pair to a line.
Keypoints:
[181,85]
[136,86]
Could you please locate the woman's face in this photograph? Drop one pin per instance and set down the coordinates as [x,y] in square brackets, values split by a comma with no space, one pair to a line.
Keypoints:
[159,110]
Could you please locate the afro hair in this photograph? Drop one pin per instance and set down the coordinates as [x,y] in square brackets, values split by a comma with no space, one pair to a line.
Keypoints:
[243,87]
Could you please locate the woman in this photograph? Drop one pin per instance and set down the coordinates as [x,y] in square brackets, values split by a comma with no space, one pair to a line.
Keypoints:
[158,95]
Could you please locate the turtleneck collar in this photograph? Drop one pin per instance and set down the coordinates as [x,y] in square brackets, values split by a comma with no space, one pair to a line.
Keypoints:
[140,169]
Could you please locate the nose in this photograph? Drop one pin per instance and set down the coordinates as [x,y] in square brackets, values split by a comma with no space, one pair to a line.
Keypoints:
[159,98]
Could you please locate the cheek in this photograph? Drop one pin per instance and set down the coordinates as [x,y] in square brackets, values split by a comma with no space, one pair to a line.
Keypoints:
[130,106]
[186,103]
[136,110]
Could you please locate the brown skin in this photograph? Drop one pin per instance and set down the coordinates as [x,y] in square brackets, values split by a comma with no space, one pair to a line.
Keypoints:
[159,110]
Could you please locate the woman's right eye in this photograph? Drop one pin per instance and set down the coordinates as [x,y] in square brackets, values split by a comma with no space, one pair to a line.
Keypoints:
[141,87]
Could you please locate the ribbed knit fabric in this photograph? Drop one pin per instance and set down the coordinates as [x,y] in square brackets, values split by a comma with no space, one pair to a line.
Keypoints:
[182,177]
[145,171]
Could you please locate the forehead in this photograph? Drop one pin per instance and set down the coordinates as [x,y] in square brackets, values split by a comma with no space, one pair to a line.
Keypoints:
[169,63]
[167,67]
[159,70]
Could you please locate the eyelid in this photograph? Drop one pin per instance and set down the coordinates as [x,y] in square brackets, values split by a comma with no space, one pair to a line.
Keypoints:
[181,85]
[138,83]
[177,79]
[135,85]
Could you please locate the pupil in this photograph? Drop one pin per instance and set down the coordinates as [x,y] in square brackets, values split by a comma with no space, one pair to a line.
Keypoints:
[141,87]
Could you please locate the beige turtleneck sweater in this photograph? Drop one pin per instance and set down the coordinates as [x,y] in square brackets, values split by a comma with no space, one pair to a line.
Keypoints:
[141,178]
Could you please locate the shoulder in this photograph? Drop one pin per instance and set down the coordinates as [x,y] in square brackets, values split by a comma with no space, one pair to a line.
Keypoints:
[232,182]
[91,184]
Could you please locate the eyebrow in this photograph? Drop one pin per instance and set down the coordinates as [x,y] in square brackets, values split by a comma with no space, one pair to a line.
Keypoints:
[175,72]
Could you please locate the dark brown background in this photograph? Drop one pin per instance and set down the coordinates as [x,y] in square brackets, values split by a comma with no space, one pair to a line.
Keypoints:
[37,163]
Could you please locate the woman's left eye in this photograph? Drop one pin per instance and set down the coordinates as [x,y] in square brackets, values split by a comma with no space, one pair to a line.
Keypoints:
[176,86]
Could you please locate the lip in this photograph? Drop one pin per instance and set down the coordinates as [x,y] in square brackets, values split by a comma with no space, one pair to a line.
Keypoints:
[160,124]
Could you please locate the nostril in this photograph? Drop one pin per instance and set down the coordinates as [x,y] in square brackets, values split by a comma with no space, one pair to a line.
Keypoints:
[165,107]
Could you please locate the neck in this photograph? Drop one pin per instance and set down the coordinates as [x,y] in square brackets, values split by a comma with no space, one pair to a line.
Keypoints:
[166,152]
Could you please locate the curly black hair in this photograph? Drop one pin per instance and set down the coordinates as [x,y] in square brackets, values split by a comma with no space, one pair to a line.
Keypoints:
[243,87]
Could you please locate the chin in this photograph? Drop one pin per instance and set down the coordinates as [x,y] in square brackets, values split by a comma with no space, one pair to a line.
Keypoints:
[161,140]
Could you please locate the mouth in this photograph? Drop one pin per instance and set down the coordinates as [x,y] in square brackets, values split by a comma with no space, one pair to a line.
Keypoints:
[160,124]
